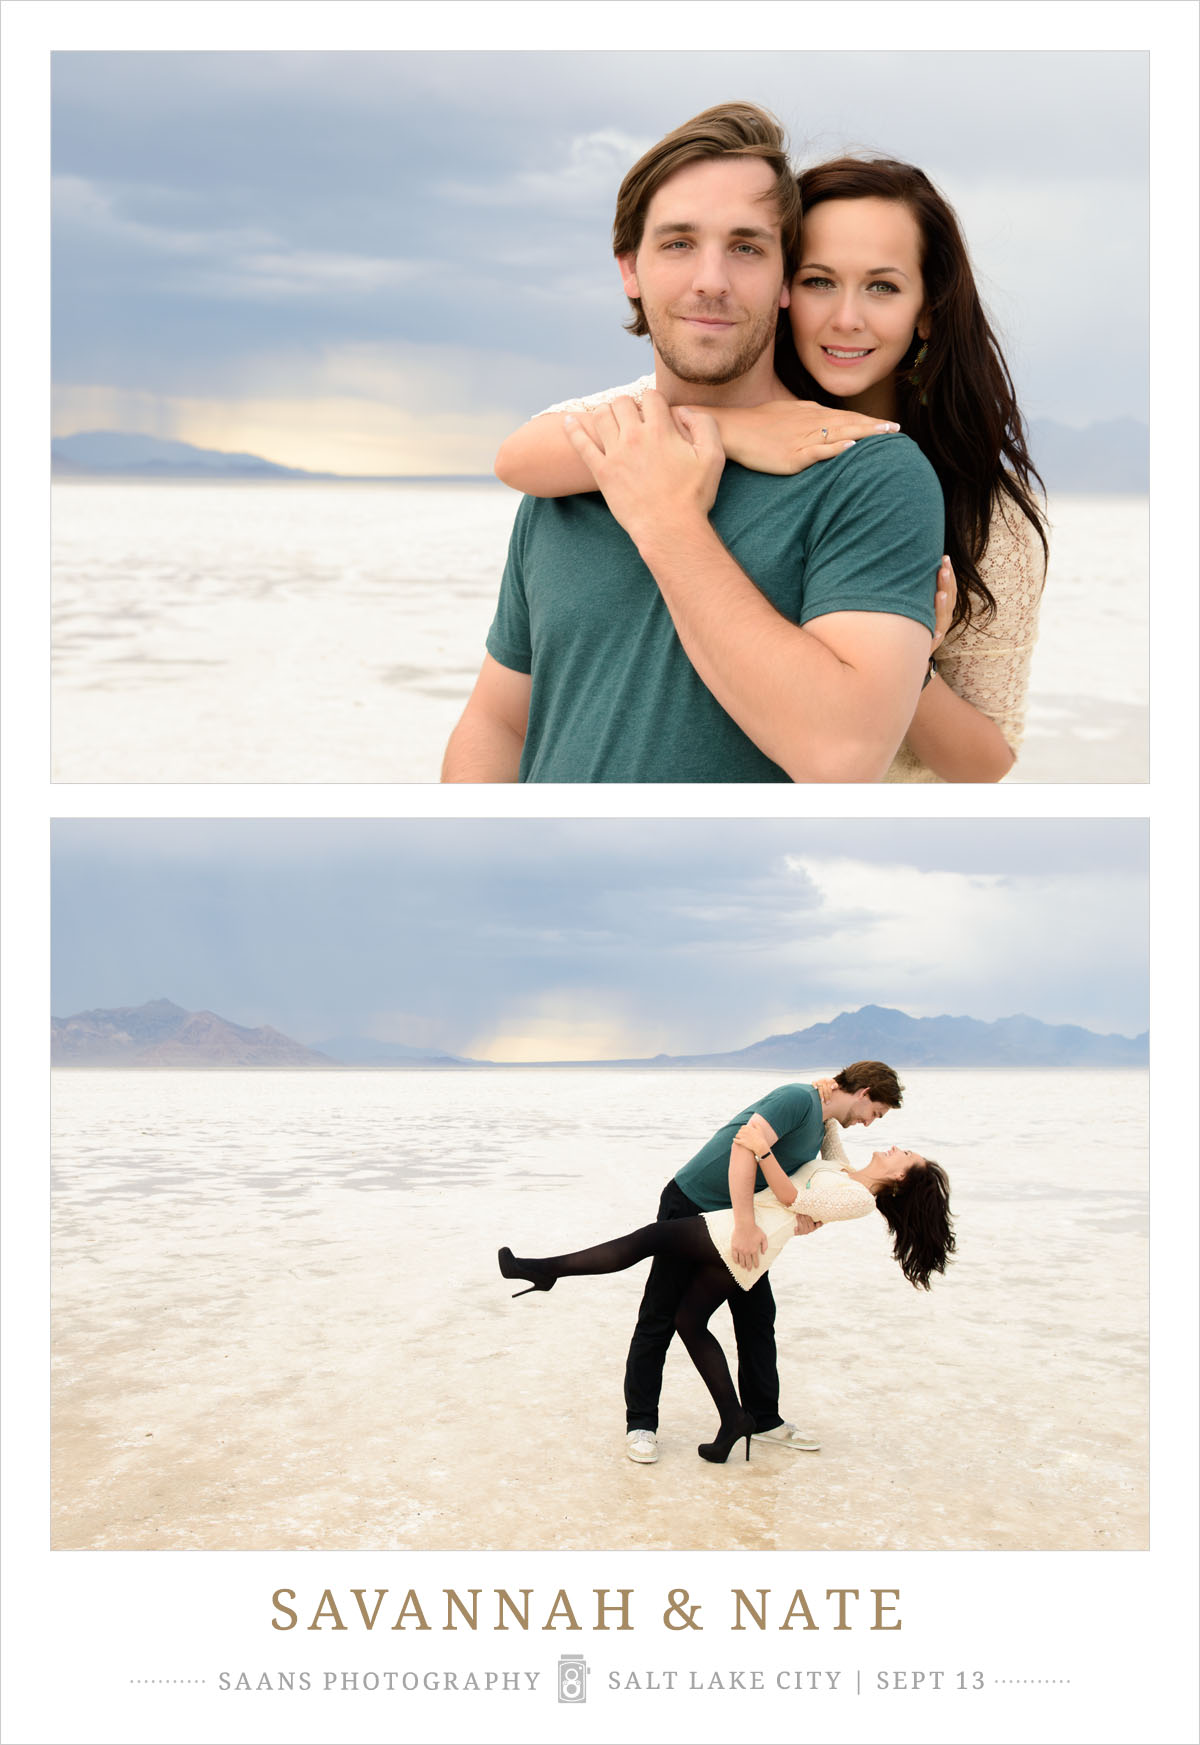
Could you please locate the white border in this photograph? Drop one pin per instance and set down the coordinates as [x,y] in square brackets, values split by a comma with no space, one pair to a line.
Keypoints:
[1124,1621]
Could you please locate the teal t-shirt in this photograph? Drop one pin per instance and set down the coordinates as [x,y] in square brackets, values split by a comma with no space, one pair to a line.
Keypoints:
[614,697]
[794,1111]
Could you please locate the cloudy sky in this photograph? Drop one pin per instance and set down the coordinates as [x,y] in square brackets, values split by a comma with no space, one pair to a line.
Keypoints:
[592,939]
[381,262]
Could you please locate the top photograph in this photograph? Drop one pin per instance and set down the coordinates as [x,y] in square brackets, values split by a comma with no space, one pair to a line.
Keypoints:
[600,417]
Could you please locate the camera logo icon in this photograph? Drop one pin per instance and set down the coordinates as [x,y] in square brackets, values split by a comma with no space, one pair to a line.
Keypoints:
[572,1678]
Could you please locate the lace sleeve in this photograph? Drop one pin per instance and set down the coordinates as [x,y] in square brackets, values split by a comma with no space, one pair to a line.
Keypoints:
[988,664]
[830,1196]
[831,1145]
[589,402]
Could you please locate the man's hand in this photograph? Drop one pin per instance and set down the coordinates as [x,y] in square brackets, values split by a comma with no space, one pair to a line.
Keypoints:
[748,1243]
[828,702]
[806,1225]
[653,466]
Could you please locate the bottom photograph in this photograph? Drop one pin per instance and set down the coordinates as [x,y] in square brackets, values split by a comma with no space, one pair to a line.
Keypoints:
[600,1185]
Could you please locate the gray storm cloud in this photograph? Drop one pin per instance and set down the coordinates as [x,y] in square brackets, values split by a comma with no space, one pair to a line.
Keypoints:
[634,935]
[225,221]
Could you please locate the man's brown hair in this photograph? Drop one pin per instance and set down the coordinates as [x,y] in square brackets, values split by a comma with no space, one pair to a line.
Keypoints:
[873,1076]
[728,130]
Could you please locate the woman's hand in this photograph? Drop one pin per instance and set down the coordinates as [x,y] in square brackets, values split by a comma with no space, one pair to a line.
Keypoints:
[943,603]
[824,1089]
[806,1225]
[786,436]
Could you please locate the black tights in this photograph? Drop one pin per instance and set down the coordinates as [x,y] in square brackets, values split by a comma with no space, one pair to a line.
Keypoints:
[710,1285]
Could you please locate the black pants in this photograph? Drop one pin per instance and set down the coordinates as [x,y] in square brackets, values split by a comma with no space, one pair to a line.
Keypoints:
[753,1314]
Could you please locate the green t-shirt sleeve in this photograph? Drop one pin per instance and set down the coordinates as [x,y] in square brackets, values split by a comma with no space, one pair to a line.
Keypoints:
[791,1107]
[508,640]
[875,539]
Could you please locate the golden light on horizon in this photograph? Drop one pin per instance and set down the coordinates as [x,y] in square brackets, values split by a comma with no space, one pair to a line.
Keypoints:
[567,1025]
[328,434]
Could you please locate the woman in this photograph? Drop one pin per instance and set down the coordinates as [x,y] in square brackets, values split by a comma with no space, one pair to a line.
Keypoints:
[911,1192]
[886,327]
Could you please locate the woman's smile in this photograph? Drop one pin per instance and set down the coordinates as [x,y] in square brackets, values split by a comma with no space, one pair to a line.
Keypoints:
[858,298]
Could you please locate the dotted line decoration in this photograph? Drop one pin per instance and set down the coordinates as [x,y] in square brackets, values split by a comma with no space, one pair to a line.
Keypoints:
[168,1681]
[1031,1681]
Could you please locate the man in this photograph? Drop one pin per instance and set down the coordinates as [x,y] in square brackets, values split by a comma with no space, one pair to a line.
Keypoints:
[788,1124]
[699,622]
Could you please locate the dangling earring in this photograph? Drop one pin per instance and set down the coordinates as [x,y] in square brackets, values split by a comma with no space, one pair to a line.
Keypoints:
[913,377]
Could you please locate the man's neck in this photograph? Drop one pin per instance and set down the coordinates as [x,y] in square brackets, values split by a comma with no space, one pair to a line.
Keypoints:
[758,384]
[837,1106]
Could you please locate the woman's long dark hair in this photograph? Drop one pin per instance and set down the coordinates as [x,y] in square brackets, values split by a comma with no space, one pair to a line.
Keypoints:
[958,405]
[917,1209]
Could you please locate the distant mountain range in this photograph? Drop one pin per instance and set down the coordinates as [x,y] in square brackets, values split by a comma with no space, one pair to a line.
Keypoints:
[1106,457]
[160,1034]
[882,1033]
[1113,456]
[365,1051]
[163,1034]
[117,454]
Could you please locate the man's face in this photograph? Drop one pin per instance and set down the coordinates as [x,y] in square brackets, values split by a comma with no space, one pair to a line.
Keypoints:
[863,1110]
[709,270]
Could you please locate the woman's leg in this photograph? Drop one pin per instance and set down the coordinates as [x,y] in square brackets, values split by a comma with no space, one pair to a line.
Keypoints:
[685,1239]
[710,1286]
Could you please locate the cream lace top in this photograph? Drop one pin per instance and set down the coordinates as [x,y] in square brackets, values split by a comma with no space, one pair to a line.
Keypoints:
[987,665]
[586,402]
[823,1190]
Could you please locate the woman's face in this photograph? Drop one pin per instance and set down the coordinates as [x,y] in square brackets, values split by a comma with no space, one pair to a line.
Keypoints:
[891,1165]
[857,298]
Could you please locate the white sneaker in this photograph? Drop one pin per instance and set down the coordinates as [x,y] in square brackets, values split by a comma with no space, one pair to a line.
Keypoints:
[642,1446]
[787,1436]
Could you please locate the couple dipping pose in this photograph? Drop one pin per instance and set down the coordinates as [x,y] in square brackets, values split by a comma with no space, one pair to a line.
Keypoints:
[741,568]
[722,1221]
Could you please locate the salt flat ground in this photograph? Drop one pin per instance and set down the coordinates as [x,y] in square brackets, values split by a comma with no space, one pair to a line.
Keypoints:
[332,633]
[278,1321]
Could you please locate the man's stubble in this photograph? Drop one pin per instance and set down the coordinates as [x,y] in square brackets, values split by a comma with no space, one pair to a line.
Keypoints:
[689,365]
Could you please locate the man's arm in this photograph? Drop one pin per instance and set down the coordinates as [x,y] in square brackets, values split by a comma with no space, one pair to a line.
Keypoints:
[486,745]
[828,702]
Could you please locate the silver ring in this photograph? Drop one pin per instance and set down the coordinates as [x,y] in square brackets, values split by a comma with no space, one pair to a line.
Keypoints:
[825,431]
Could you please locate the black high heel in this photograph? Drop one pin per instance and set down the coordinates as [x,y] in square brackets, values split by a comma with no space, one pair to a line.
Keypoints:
[510,1267]
[719,1450]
